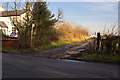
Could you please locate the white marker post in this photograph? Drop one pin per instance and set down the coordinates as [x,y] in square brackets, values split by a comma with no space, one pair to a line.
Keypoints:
[33,25]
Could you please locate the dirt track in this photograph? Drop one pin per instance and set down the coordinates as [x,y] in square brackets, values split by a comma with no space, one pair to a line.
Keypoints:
[56,52]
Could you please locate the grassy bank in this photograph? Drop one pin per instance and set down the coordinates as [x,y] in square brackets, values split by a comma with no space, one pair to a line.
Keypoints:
[102,57]
[45,47]
[80,43]
[59,44]
[9,50]
[91,54]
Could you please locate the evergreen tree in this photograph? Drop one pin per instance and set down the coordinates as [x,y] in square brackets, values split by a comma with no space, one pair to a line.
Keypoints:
[44,21]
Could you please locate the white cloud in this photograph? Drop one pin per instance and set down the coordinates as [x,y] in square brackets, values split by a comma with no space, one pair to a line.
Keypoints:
[104,6]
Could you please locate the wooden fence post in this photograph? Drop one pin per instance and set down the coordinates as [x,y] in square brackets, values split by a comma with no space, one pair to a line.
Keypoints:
[102,44]
[98,40]
[119,42]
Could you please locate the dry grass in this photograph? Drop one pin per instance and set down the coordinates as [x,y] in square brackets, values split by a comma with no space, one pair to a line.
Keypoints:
[67,31]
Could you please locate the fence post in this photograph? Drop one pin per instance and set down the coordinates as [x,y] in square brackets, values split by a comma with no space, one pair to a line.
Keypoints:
[102,44]
[98,40]
[94,43]
[119,42]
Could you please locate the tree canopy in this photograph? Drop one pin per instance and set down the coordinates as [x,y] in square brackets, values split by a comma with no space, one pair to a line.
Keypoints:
[44,22]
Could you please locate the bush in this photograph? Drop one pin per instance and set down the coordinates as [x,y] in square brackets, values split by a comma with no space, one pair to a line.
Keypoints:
[67,31]
[5,36]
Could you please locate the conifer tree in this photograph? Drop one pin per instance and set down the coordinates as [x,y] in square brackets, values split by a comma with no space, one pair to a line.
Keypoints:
[44,21]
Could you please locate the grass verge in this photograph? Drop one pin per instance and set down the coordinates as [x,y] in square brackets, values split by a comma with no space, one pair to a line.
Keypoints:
[114,58]
[45,47]
[9,50]
[80,43]
[91,54]
[59,44]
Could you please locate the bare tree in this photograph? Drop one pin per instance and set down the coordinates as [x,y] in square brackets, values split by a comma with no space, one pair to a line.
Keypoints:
[23,24]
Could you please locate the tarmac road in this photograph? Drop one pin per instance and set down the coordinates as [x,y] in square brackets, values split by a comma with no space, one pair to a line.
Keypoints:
[19,66]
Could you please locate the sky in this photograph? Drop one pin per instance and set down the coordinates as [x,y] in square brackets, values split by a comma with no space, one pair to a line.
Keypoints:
[93,16]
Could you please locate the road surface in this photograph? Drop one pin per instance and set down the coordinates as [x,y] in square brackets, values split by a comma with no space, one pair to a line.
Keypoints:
[19,66]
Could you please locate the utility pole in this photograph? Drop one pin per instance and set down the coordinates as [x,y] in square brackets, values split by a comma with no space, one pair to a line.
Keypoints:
[33,25]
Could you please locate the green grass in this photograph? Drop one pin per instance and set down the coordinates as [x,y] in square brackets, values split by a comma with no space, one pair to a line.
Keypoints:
[47,47]
[114,58]
[80,43]
[91,55]
[59,44]
[10,50]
